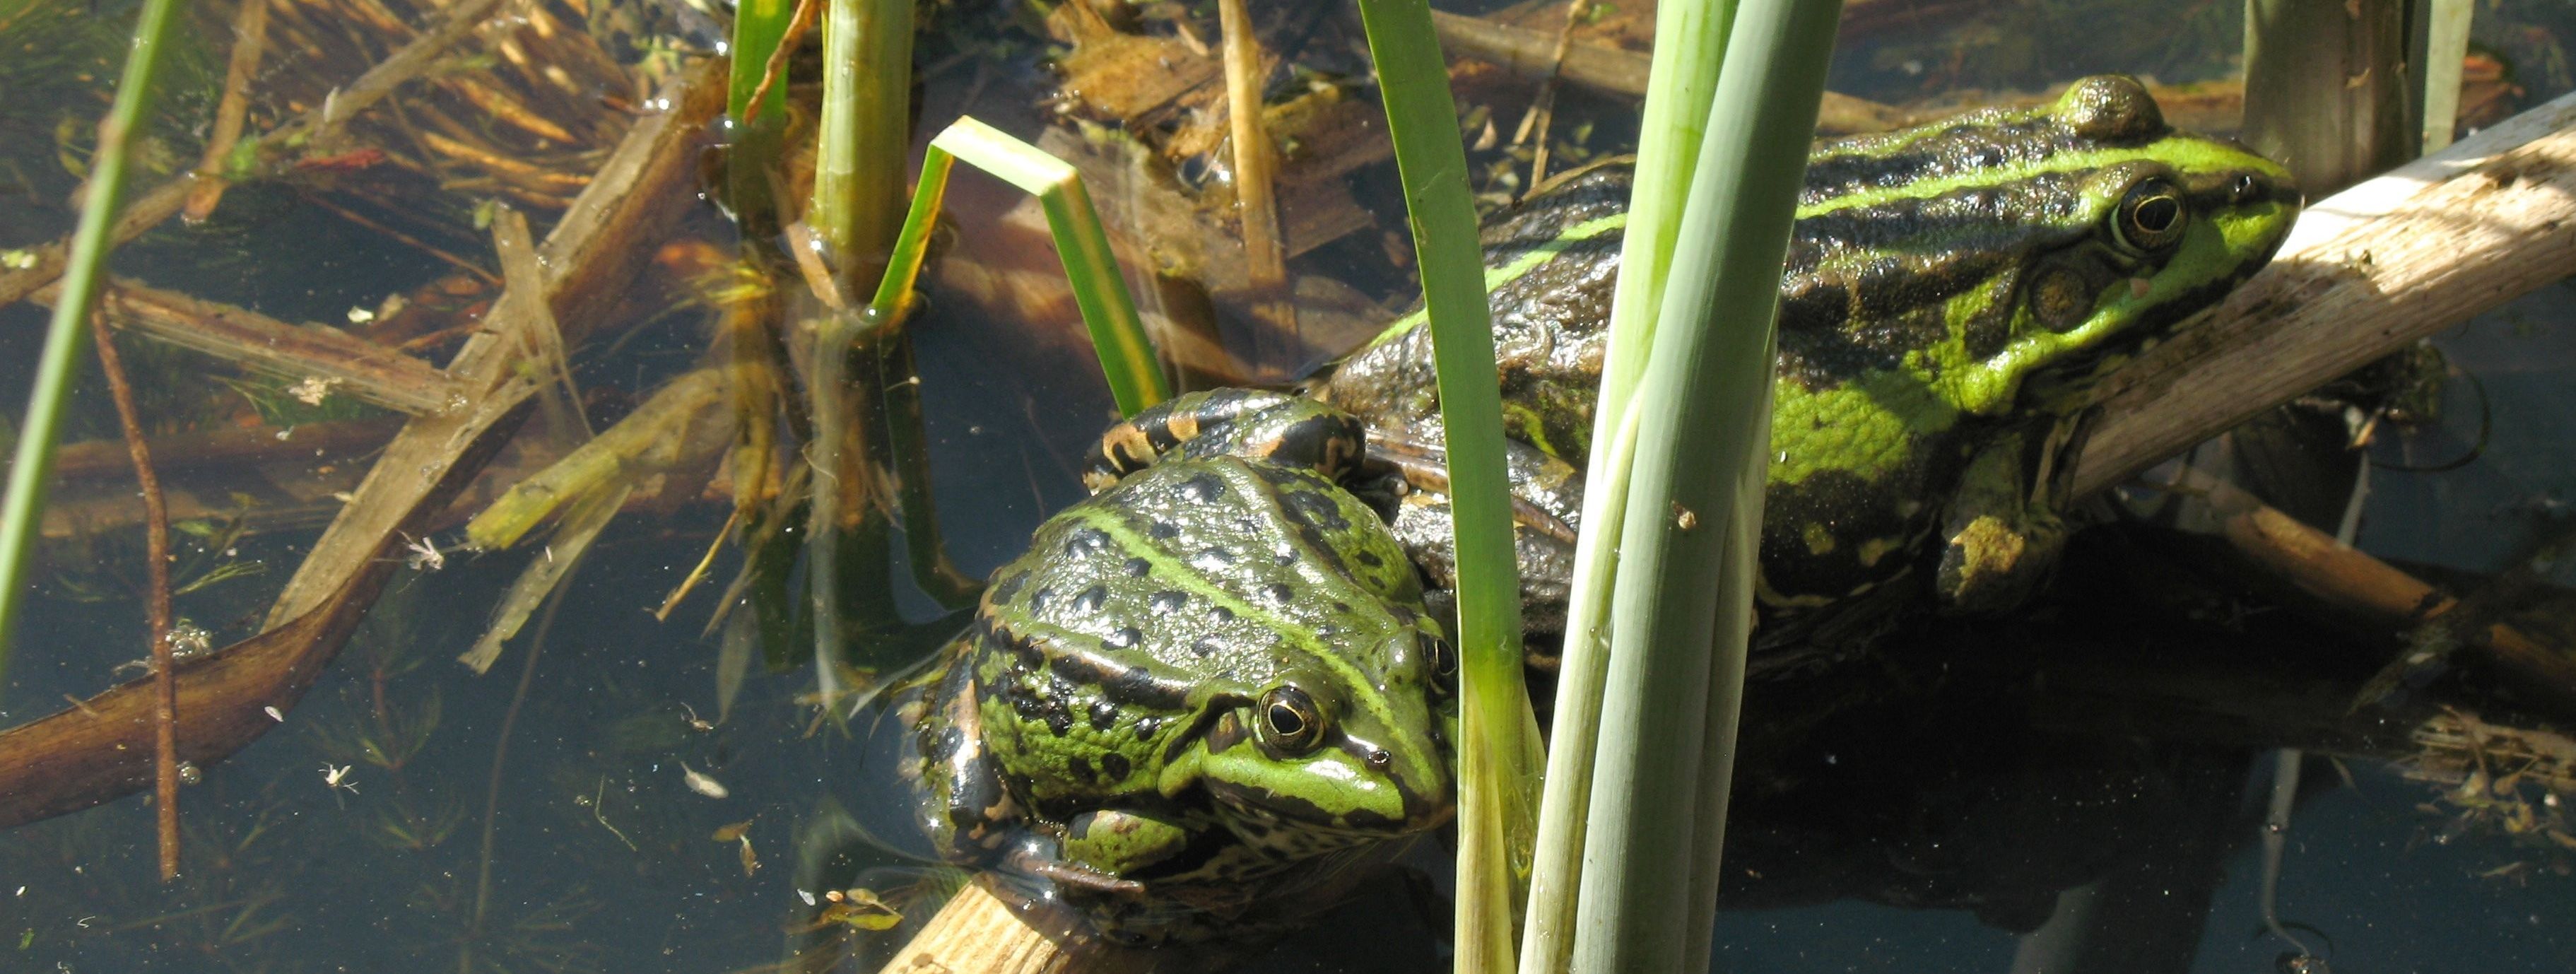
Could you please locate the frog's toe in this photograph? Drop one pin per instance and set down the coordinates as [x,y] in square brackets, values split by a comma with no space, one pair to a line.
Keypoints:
[1076,876]
[1118,843]
[1990,566]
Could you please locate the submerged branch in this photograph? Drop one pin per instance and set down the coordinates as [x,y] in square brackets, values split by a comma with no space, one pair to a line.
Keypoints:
[2369,271]
[156,602]
[94,752]
[365,370]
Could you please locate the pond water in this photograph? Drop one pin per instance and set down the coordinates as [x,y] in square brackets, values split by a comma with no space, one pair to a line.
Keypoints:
[607,798]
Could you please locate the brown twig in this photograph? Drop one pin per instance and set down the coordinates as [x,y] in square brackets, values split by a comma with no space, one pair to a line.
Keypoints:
[1255,205]
[147,210]
[1542,110]
[807,11]
[250,33]
[156,602]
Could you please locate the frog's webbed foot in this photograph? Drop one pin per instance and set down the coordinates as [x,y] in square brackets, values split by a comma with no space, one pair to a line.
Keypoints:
[2002,533]
[1994,563]
[1253,424]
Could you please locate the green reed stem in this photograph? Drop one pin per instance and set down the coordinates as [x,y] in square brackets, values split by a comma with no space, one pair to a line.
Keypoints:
[1498,749]
[858,185]
[22,512]
[1126,353]
[1690,42]
[866,133]
[758,28]
[1692,525]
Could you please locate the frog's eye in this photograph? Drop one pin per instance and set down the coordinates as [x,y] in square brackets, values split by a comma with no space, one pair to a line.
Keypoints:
[1443,661]
[2151,217]
[1290,723]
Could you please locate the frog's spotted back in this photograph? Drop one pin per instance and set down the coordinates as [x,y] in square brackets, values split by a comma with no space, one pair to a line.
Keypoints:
[1932,273]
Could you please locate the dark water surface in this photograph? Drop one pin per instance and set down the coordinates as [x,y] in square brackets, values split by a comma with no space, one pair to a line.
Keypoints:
[1915,835]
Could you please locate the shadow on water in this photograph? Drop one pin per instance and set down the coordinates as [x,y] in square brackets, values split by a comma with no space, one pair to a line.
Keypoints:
[2081,788]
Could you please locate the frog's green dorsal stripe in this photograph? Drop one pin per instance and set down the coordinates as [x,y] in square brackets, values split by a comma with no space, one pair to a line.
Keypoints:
[1496,276]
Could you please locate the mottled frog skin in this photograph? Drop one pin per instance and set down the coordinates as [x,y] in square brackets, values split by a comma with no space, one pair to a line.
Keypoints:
[1946,289]
[1216,670]
[1218,675]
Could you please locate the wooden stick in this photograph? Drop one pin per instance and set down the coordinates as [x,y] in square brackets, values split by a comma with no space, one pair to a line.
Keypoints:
[93,752]
[1266,272]
[324,121]
[364,369]
[2370,596]
[1542,111]
[250,34]
[156,601]
[2368,271]
[979,930]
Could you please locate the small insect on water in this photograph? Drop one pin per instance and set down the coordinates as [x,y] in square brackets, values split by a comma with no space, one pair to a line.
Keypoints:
[422,553]
[701,783]
[339,777]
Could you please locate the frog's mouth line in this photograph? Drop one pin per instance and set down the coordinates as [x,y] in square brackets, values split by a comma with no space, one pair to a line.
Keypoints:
[1421,814]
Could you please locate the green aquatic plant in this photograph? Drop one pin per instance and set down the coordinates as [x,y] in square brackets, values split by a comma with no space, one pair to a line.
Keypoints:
[288,402]
[544,936]
[104,566]
[85,889]
[32,469]
[1679,605]
[1498,744]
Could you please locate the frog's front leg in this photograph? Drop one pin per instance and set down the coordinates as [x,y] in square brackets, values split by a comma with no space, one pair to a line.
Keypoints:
[1115,842]
[970,810]
[2003,533]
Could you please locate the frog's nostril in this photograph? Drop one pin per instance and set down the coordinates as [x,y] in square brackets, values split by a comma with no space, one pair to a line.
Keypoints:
[1379,758]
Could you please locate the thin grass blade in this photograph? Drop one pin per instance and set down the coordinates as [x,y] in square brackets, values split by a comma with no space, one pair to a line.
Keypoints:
[1497,749]
[22,511]
[1127,355]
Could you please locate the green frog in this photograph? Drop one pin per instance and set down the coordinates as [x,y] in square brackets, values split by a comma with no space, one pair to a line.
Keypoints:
[1948,289]
[1215,673]
[1219,674]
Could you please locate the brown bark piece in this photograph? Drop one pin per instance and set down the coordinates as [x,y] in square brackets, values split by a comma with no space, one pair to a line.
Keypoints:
[2369,271]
